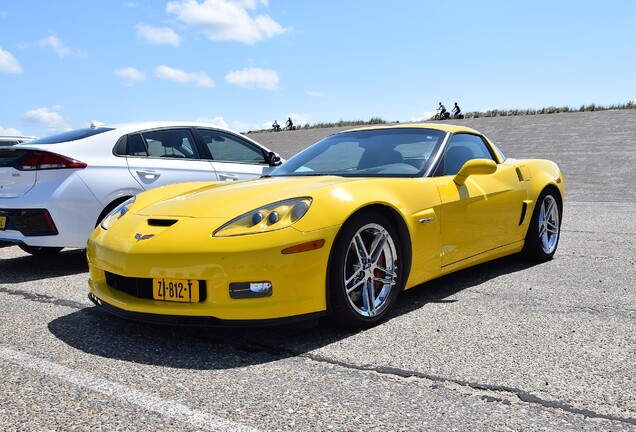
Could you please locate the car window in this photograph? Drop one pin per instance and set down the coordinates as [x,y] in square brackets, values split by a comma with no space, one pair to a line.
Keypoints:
[398,152]
[344,157]
[229,148]
[165,143]
[9,142]
[461,148]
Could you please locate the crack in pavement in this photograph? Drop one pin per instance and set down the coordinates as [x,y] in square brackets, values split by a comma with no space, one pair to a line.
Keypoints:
[522,395]
[246,344]
[43,298]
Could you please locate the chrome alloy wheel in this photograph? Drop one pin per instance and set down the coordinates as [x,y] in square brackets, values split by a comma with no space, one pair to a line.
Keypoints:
[549,224]
[370,272]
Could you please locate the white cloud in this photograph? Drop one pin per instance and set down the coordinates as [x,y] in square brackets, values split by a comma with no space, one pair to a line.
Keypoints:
[316,94]
[243,127]
[199,78]
[236,125]
[130,76]
[254,77]
[299,119]
[10,131]
[56,44]
[48,118]
[426,115]
[158,35]
[216,121]
[224,20]
[8,63]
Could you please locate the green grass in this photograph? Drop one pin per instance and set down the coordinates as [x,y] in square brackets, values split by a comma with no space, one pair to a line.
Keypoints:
[475,114]
[341,123]
[548,110]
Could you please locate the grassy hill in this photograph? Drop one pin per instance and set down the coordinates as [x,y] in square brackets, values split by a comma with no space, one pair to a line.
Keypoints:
[608,137]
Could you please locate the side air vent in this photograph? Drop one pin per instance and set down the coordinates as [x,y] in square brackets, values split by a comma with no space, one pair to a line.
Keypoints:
[523,173]
[524,209]
[162,222]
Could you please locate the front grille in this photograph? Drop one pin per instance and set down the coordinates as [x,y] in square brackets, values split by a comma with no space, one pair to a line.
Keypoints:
[141,287]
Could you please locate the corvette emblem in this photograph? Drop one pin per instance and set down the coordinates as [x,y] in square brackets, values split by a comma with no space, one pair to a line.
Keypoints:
[140,236]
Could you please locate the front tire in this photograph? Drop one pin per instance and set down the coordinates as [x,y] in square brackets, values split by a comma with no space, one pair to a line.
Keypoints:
[544,231]
[366,271]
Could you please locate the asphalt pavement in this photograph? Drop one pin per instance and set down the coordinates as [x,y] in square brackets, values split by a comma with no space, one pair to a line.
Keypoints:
[504,346]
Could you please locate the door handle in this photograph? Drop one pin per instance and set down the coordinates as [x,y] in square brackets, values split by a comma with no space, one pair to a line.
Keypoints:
[148,174]
[228,177]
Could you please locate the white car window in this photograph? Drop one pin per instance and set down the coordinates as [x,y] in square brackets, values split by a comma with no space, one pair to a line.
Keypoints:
[172,143]
[228,148]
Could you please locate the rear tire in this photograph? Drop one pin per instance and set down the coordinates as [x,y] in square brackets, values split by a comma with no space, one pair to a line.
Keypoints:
[366,270]
[39,250]
[544,231]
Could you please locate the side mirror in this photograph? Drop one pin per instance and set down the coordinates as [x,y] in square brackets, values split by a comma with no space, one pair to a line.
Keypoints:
[472,167]
[274,159]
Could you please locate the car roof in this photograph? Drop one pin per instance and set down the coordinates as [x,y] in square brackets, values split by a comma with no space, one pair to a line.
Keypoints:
[103,130]
[111,132]
[437,126]
[16,137]
[136,126]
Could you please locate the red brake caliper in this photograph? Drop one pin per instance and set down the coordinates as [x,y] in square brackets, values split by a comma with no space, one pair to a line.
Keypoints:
[377,285]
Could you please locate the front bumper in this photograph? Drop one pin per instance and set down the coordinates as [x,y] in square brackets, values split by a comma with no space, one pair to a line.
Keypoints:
[298,280]
[201,321]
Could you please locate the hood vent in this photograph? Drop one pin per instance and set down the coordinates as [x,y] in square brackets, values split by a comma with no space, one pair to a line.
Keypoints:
[161,222]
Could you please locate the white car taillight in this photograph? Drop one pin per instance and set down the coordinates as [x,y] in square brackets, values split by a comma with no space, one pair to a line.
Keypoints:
[40,160]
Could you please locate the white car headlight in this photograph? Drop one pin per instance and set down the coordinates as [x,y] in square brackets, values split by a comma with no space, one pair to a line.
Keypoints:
[117,213]
[271,217]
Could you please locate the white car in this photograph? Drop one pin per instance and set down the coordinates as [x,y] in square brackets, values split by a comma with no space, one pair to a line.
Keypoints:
[56,189]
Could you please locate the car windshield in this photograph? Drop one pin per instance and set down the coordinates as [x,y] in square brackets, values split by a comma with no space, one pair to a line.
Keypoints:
[395,152]
[70,135]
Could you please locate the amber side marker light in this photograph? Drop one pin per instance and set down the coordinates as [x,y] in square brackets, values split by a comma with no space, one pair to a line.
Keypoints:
[304,247]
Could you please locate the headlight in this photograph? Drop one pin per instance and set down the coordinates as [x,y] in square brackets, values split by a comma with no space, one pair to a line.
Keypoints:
[117,213]
[267,218]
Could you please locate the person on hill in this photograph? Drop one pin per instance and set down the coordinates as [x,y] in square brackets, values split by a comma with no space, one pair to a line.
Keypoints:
[289,124]
[441,111]
[276,126]
[456,111]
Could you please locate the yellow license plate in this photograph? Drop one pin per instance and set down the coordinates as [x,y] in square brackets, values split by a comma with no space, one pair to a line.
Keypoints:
[3,222]
[177,290]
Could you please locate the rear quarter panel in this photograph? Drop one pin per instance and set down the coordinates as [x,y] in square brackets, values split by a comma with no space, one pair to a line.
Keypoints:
[536,175]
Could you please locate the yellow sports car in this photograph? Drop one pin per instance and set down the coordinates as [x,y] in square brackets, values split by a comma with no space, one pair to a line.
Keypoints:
[341,228]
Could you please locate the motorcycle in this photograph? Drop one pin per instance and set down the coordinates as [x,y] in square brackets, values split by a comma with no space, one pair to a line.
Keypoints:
[441,116]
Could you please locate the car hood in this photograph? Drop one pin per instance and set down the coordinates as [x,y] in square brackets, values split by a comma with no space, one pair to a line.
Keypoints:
[229,200]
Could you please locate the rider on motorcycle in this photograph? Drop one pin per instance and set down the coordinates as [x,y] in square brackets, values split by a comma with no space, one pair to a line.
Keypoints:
[456,111]
[441,110]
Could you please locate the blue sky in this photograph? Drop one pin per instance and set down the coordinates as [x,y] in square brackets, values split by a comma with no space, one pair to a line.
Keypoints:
[244,63]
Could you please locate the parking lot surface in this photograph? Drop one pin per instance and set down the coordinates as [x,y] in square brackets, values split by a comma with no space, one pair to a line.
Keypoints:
[499,347]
